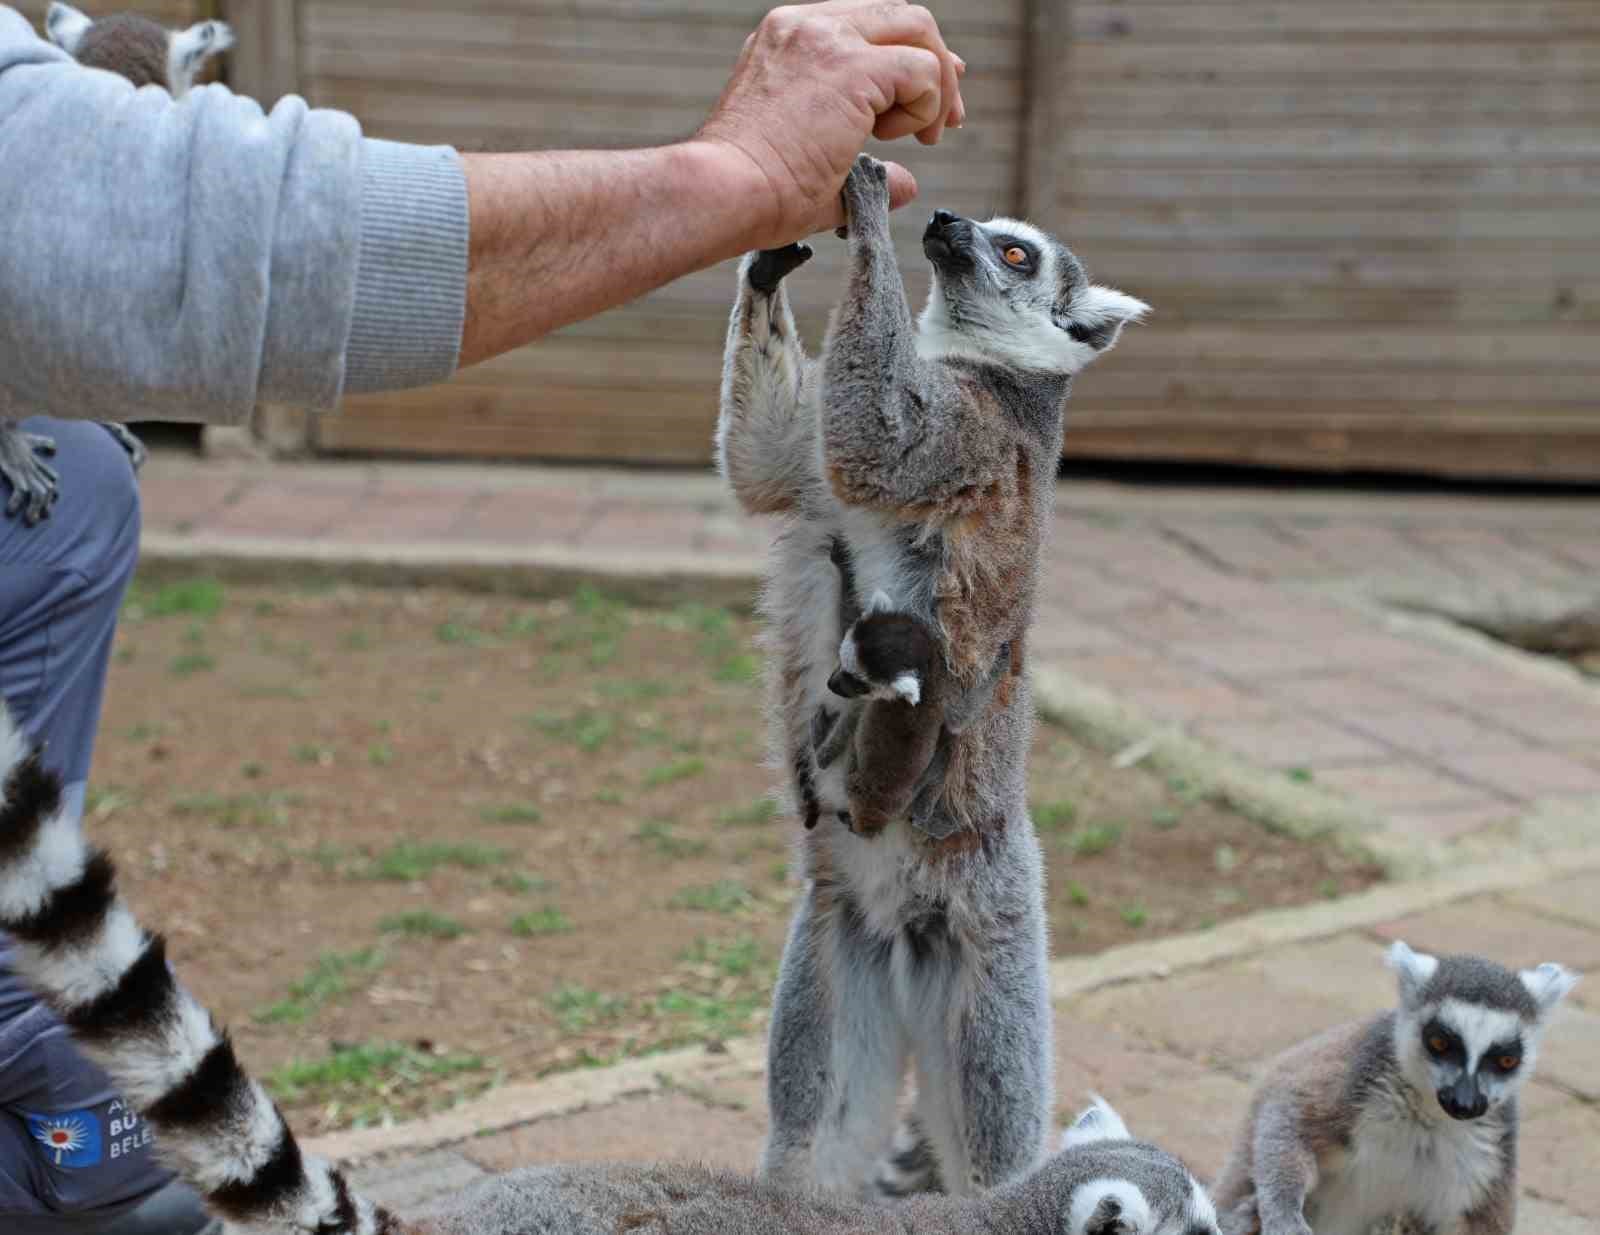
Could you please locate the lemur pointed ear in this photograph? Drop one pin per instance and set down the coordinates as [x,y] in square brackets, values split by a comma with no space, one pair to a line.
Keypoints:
[191,48]
[66,27]
[1096,315]
[1414,968]
[1548,984]
[1098,1123]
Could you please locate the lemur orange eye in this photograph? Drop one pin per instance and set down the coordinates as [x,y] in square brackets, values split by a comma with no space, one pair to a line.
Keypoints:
[1438,1043]
[1507,1063]
[1016,255]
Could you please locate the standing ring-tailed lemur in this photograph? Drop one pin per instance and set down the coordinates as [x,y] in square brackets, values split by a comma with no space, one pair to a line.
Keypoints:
[80,948]
[1407,1117]
[147,55]
[917,460]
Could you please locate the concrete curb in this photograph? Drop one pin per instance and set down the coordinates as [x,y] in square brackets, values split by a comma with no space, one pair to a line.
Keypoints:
[536,571]
[692,1069]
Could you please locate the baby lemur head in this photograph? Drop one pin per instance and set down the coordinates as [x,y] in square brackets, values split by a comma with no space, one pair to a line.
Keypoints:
[1007,293]
[1116,1185]
[885,655]
[137,48]
[1468,1029]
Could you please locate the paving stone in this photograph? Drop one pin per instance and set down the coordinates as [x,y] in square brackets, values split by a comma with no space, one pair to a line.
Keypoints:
[1262,657]
[1430,729]
[659,1127]
[1401,786]
[642,530]
[1199,1016]
[1557,1157]
[1057,634]
[1570,1054]
[1251,548]
[514,516]
[1287,740]
[1577,899]
[1347,970]
[273,514]
[1200,697]
[1540,1217]
[1136,667]
[1448,823]
[1528,773]
[395,514]
[1500,931]
[409,1181]
[1558,717]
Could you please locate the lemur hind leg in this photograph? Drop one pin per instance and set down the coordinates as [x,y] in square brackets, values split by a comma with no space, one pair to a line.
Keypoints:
[137,454]
[35,485]
[835,1054]
[765,430]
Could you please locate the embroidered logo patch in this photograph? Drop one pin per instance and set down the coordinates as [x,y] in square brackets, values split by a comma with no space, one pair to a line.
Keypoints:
[70,1140]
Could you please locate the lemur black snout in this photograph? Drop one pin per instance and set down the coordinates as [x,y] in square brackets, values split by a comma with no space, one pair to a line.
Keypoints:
[846,685]
[942,218]
[1463,1100]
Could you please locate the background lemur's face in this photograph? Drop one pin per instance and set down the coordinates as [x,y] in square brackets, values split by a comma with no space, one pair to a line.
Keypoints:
[136,47]
[1469,1029]
[884,655]
[1121,1186]
[1017,295]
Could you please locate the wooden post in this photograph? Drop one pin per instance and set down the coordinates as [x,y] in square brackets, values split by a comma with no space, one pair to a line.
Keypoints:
[1046,75]
[265,64]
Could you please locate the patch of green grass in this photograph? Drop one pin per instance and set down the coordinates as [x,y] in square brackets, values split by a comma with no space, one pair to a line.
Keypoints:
[187,664]
[330,976]
[308,752]
[1077,894]
[671,773]
[460,634]
[712,1016]
[409,861]
[762,810]
[103,801]
[1134,915]
[516,881]
[1094,839]
[524,624]
[511,812]
[330,858]
[195,597]
[720,643]
[363,1071]
[547,921]
[380,754]
[588,731]
[239,809]
[1053,816]
[1328,889]
[253,770]
[273,690]
[579,1008]
[638,690]
[1165,819]
[1301,776]
[730,958]
[424,923]
[723,896]
[609,797]
[659,835]
[357,641]
[142,732]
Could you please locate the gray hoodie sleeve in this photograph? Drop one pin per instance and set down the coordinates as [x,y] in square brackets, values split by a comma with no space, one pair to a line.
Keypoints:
[186,260]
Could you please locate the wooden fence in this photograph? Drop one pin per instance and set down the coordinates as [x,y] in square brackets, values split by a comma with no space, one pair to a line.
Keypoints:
[1368,229]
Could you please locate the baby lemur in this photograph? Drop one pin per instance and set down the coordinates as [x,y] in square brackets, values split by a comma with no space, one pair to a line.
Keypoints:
[915,459]
[1408,1117]
[79,946]
[147,55]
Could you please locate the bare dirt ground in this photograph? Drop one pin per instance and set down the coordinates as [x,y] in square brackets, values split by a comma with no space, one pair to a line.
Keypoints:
[411,843]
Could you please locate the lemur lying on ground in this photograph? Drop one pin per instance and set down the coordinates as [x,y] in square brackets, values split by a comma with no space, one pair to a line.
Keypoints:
[80,947]
[1408,1118]
[916,459]
[147,55]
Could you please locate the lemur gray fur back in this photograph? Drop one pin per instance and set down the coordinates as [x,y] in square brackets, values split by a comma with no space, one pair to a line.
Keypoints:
[917,461]
[79,946]
[1404,1122]
[146,54]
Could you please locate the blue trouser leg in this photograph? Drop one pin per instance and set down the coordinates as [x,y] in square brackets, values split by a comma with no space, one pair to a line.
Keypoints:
[61,585]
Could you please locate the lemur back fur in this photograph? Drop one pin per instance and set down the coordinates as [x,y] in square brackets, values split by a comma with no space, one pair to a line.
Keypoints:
[916,460]
[79,946]
[1349,1133]
[147,54]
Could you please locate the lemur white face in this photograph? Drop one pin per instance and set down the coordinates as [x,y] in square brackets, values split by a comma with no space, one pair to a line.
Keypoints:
[1142,1191]
[1006,292]
[137,48]
[1467,1029]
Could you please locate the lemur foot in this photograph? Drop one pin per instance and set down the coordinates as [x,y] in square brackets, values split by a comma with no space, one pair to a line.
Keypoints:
[137,454]
[35,485]
[911,1166]
[771,265]
[865,195]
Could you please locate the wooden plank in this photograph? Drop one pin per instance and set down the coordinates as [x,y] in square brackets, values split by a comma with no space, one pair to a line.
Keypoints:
[265,63]
[1236,23]
[1181,221]
[1141,106]
[1460,181]
[1292,143]
[1503,60]
[168,12]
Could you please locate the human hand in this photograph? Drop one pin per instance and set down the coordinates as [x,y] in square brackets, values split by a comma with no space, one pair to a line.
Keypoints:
[812,84]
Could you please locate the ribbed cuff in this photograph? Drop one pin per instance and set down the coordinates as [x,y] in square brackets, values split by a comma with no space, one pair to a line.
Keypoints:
[411,276]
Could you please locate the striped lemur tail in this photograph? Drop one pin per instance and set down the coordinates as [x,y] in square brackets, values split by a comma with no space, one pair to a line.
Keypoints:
[78,946]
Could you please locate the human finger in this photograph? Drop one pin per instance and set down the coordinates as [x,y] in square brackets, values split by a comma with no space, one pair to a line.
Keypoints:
[909,90]
[912,25]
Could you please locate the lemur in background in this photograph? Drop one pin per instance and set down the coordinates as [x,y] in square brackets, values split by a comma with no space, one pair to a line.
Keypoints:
[1408,1117]
[916,459]
[146,54]
[79,946]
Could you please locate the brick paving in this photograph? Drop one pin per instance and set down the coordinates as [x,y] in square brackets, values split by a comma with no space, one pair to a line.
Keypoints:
[1253,619]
